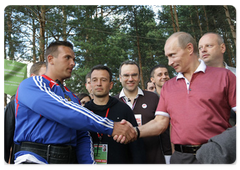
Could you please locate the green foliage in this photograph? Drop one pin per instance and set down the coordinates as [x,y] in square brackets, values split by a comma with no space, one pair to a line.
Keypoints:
[109,35]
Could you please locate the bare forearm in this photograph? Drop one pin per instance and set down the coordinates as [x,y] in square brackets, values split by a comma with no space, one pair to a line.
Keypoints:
[154,127]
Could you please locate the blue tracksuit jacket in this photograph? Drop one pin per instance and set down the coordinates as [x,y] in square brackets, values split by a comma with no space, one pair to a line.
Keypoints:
[47,114]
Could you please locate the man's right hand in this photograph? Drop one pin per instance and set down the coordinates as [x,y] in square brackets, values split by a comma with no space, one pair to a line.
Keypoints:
[124,132]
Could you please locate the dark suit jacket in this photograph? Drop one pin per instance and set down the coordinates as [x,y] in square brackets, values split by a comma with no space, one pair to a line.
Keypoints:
[220,149]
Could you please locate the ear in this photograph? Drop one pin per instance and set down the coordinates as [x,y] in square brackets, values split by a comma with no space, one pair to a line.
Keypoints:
[223,48]
[111,85]
[152,79]
[120,78]
[190,48]
[50,59]
[31,75]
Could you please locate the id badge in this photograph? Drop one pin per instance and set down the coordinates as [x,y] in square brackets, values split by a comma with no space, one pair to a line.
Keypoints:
[100,153]
[138,118]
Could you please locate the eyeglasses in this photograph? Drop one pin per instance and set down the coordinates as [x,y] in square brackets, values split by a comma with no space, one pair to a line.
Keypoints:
[127,76]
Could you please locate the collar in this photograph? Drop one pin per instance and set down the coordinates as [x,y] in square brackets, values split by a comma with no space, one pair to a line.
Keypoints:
[156,92]
[122,94]
[53,83]
[201,68]
[225,65]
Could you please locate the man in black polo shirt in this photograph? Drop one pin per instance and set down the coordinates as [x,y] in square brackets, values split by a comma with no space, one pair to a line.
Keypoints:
[144,104]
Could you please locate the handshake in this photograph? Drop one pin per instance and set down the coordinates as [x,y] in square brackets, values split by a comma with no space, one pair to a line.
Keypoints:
[124,132]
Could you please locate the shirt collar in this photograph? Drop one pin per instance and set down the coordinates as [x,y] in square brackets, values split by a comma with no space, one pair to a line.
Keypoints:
[201,68]
[226,66]
[140,92]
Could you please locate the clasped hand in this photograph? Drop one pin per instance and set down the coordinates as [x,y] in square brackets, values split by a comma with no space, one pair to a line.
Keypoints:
[124,132]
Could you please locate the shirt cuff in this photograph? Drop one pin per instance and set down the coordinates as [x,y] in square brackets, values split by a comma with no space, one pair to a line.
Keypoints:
[162,113]
[234,108]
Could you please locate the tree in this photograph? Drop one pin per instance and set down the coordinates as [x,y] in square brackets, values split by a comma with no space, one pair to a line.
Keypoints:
[109,35]
[233,31]
[173,23]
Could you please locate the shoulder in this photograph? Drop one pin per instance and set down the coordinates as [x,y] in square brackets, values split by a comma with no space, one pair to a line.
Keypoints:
[27,82]
[171,81]
[117,96]
[216,71]
[88,105]
[232,69]
[149,93]
[121,105]
[35,79]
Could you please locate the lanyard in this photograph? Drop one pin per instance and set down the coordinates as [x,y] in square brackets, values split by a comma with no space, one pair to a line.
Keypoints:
[100,135]
[134,103]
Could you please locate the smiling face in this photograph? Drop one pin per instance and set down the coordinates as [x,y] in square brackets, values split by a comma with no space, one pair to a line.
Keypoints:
[178,58]
[160,76]
[129,77]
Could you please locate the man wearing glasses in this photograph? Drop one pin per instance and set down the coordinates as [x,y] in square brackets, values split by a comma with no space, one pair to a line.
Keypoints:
[144,104]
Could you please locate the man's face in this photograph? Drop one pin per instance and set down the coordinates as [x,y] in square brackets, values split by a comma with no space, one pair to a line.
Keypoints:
[88,85]
[84,100]
[178,58]
[150,86]
[160,76]
[129,77]
[209,49]
[64,62]
[100,83]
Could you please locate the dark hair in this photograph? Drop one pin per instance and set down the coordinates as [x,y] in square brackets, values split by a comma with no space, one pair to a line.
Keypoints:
[36,67]
[12,97]
[146,84]
[52,48]
[102,67]
[88,75]
[128,62]
[155,67]
[82,95]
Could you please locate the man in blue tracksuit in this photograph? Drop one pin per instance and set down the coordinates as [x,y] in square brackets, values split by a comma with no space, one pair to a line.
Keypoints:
[51,126]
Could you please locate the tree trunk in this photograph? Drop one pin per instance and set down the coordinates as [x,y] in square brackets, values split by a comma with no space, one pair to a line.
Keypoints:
[173,23]
[139,52]
[205,14]
[192,26]
[9,34]
[42,32]
[199,24]
[101,11]
[230,63]
[233,31]
[33,43]
[176,17]
[64,24]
